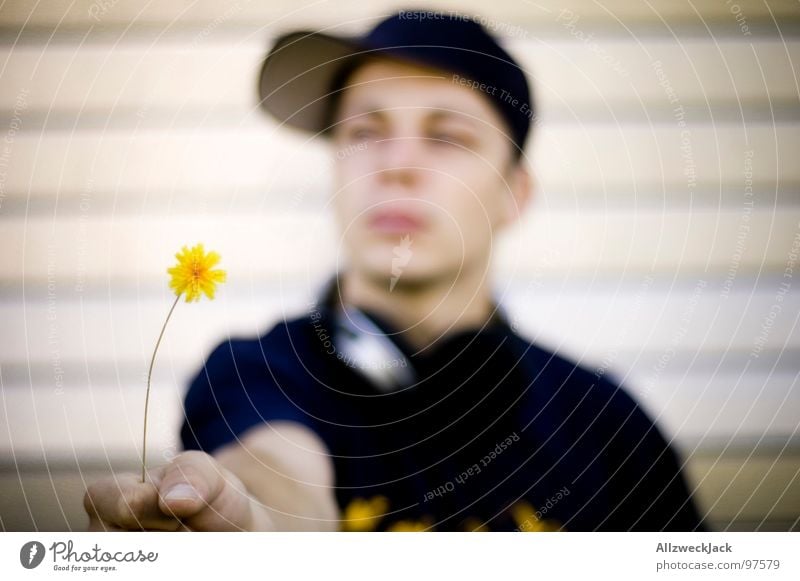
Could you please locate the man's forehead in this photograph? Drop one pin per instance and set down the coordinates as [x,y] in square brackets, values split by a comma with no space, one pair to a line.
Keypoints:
[386,86]
[389,67]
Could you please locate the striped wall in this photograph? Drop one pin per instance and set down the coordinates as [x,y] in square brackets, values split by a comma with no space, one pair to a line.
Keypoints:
[661,248]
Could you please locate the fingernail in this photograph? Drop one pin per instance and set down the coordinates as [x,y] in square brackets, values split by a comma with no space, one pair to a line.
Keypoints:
[182,492]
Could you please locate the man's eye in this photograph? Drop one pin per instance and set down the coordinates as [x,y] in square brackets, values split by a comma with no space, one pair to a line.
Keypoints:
[363,133]
[449,138]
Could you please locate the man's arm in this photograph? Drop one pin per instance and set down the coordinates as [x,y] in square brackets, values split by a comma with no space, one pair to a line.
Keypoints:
[276,477]
[288,471]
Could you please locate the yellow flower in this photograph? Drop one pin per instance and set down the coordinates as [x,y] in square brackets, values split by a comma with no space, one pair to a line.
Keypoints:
[363,515]
[193,273]
[475,525]
[528,522]
[411,526]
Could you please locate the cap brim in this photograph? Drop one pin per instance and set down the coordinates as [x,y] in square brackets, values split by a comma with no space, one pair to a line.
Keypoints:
[296,78]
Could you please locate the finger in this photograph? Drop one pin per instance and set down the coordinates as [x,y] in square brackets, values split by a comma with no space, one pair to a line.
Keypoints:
[190,483]
[124,502]
[206,496]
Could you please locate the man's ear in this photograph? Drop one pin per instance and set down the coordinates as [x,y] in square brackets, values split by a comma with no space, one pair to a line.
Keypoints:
[520,189]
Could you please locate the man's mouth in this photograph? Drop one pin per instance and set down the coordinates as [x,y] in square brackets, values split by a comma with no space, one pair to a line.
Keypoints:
[392,221]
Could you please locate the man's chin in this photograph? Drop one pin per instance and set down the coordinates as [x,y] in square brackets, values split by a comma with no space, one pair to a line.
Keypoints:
[400,279]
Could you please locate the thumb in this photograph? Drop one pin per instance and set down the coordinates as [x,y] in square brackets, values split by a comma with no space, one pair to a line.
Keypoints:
[190,483]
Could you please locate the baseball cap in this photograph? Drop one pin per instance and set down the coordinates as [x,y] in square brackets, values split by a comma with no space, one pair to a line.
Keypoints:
[303,72]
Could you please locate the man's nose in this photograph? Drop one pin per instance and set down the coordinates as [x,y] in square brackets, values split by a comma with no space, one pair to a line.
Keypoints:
[401,159]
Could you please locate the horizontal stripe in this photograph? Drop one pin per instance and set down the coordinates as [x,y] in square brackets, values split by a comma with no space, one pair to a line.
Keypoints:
[757,494]
[624,75]
[601,160]
[290,246]
[121,201]
[619,112]
[596,327]
[108,419]
[65,12]
[284,13]
[638,366]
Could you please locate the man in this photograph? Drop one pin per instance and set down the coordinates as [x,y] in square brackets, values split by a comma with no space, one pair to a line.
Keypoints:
[403,400]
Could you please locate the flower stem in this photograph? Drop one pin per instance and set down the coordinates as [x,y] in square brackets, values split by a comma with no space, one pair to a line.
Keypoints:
[149,375]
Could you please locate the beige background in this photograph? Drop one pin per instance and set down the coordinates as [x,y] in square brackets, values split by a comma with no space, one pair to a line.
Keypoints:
[653,250]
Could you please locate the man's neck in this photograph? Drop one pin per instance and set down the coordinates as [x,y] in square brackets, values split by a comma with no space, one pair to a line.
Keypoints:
[423,312]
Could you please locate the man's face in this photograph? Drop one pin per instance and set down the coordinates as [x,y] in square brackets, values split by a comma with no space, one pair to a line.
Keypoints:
[424,174]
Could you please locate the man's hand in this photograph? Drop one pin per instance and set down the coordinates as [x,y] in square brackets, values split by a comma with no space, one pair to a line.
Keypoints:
[193,492]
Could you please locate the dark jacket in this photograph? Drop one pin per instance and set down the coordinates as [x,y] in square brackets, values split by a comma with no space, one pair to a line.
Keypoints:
[497,434]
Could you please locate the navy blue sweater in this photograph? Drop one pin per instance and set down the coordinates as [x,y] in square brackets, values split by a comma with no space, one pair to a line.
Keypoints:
[497,434]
